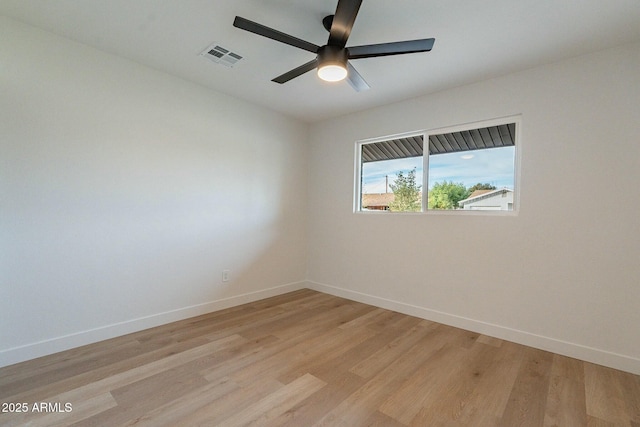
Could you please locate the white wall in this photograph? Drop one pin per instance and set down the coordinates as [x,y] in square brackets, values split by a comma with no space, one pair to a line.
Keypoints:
[124,193]
[570,260]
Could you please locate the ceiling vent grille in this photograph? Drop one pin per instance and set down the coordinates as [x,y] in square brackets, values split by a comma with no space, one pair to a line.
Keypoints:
[221,55]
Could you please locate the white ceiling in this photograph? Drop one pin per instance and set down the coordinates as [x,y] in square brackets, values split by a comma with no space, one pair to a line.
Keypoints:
[475,40]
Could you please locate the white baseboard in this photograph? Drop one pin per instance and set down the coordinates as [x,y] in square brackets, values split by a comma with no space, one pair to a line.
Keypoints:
[66,342]
[577,351]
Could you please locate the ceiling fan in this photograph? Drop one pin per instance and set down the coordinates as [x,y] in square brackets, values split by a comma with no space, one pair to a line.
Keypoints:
[332,59]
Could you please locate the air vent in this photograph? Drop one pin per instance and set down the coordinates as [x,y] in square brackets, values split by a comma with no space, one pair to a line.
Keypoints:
[221,55]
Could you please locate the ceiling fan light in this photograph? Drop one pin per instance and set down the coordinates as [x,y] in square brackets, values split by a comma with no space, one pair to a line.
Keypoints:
[332,63]
[332,72]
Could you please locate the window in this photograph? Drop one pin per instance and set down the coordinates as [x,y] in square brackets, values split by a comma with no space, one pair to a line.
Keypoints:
[467,168]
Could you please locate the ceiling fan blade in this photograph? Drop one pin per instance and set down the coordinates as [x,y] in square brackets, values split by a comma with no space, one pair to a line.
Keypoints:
[394,48]
[343,21]
[355,79]
[254,27]
[296,72]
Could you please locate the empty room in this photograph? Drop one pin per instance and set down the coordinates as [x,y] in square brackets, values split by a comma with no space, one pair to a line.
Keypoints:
[319,213]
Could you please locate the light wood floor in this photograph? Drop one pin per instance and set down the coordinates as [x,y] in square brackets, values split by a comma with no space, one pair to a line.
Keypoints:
[310,359]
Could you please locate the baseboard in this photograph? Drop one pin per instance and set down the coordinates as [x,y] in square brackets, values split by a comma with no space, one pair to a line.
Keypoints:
[54,345]
[577,351]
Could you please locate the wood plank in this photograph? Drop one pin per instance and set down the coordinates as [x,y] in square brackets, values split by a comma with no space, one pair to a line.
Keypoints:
[275,404]
[328,352]
[306,412]
[605,395]
[484,339]
[49,369]
[374,392]
[217,409]
[278,363]
[631,393]
[526,406]
[566,405]
[242,357]
[136,399]
[174,412]
[335,372]
[378,360]
[597,422]
[488,400]
[455,389]
[378,419]
[421,391]
[99,380]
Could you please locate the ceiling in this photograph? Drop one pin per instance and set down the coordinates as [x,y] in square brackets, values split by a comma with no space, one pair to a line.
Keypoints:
[475,40]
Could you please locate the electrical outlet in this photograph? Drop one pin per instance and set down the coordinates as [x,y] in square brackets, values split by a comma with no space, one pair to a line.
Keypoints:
[225,275]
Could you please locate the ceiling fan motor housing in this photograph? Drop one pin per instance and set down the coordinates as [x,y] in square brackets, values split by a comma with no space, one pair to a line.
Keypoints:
[333,55]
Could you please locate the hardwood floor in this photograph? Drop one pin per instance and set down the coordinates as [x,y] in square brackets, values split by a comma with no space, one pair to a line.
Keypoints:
[310,359]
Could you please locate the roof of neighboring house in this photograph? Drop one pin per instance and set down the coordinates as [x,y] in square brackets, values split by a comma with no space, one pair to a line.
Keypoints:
[483,194]
[377,199]
[477,193]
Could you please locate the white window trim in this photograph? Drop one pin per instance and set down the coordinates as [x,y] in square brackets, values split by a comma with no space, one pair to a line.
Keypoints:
[517,119]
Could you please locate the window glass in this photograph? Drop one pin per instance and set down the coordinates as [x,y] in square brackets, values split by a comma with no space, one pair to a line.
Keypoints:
[481,179]
[467,168]
[382,180]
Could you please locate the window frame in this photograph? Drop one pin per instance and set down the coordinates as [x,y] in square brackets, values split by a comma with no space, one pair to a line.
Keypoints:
[425,134]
